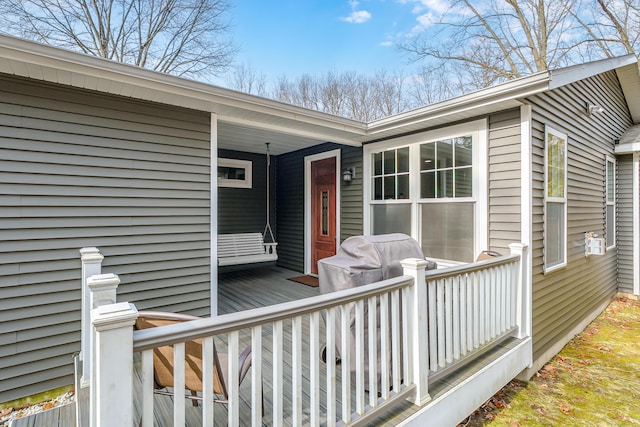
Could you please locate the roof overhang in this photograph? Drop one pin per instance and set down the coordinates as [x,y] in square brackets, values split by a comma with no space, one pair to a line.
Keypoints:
[246,122]
[285,126]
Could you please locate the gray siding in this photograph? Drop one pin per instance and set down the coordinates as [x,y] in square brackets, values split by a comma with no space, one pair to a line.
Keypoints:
[504,180]
[564,298]
[351,194]
[624,199]
[80,169]
[290,201]
[243,210]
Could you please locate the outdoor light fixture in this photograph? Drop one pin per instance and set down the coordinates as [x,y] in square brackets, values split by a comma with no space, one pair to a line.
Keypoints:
[348,174]
[594,109]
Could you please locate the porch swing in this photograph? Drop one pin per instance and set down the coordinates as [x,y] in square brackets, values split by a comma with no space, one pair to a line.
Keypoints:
[249,248]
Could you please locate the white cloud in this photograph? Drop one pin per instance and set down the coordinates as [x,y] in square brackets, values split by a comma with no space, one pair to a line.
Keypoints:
[356,16]
[386,43]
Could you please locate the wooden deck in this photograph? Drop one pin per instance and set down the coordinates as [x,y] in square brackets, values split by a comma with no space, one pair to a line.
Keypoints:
[249,288]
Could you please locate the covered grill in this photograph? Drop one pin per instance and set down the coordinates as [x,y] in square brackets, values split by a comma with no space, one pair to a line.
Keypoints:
[362,260]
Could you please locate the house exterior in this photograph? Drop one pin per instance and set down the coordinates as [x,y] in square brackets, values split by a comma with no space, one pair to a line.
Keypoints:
[96,153]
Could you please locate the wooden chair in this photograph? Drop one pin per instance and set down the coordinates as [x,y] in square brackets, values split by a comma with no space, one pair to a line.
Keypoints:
[163,360]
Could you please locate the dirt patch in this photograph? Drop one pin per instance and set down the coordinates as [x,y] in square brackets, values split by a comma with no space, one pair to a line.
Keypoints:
[593,381]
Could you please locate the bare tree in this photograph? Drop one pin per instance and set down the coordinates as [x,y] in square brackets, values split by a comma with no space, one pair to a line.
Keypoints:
[613,26]
[500,39]
[245,78]
[181,37]
[348,94]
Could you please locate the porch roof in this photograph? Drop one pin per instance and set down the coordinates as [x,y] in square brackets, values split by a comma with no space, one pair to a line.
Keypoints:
[629,141]
[246,122]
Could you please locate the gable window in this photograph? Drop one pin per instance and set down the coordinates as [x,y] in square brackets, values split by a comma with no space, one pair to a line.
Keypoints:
[610,213]
[555,247]
[234,173]
[428,186]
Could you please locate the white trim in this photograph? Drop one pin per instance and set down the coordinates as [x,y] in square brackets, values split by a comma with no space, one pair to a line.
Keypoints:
[526,183]
[627,148]
[526,198]
[479,131]
[610,159]
[247,165]
[563,200]
[455,404]
[214,216]
[636,222]
[307,201]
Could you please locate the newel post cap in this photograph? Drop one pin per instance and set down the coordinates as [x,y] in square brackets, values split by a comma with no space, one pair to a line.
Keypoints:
[113,316]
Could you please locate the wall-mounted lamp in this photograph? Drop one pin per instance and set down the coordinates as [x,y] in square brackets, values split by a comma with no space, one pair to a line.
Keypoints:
[594,109]
[349,174]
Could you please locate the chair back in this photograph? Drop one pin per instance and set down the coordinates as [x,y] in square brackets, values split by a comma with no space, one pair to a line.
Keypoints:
[163,365]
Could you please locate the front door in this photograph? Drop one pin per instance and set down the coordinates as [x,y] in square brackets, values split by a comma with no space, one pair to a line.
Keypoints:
[323,210]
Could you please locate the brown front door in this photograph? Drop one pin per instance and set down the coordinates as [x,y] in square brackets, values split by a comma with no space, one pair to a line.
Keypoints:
[323,210]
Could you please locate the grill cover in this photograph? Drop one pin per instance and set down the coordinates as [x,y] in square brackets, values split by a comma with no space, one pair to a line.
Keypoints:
[362,260]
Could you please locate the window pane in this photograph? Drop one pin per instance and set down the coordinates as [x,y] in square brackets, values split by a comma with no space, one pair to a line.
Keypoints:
[464,151]
[464,182]
[403,186]
[444,154]
[427,157]
[394,218]
[555,165]
[555,234]
[403,159]
[325,213]
[225,172]
[611,230]
[377,163]
[389,164]
[428,185]
[445,183]
[377,188]
[389,187]
[610,182]
[448,230]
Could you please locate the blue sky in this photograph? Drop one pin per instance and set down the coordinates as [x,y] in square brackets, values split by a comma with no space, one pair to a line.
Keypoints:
[292,37]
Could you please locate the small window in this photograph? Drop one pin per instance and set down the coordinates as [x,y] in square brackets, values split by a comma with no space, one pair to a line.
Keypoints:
[390,180]
[610,210]
[555,215]
[234,173]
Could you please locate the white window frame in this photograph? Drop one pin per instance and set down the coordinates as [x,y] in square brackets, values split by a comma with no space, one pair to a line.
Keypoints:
[247,165]
[611,202]
[563,200]
[478,130]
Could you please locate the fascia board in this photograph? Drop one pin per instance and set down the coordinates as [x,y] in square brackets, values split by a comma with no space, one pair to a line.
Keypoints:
[568,75]
[493,96]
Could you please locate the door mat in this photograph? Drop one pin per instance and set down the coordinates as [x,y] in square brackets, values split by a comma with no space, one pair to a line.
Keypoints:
[306,280]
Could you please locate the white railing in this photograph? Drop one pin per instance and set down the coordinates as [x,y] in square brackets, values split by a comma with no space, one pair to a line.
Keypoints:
[471,308]
[436,321]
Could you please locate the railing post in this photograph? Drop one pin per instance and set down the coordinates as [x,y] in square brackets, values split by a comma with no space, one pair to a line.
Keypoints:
[91,266]
[112,384]
[524,297]
[102,291]
[419,357]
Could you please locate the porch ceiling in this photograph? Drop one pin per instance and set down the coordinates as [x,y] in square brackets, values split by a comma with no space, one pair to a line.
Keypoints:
[252,140]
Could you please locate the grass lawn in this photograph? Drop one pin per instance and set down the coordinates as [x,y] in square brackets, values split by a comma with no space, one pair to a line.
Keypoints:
[594,381]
